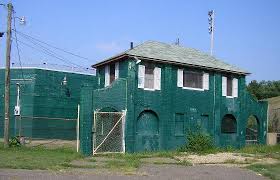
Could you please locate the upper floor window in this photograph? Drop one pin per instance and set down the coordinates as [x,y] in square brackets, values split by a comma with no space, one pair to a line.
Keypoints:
[111,73]
[192,80]
[149,77]
[229,87]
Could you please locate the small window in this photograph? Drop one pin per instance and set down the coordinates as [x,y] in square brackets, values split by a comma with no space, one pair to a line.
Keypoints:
[149,77]
[112,73]
[193,79]
[179,124]
[228,124]
[229,86]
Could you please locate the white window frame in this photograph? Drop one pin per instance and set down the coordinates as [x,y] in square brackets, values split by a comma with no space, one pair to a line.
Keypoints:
[107,74]
[234,87]
[180,81]
[141,78]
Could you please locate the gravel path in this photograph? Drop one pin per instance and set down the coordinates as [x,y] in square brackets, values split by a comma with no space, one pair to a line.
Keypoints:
[149,172]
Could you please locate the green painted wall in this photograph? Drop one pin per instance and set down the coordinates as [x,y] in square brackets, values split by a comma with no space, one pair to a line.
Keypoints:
[193,108]
[43,95]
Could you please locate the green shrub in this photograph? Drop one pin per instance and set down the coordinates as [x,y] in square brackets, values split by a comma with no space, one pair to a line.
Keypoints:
[14,142]
[198,142]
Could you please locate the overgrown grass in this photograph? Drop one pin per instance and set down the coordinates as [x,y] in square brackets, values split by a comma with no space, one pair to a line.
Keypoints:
[262,150]
[269,170]
[166,154]
[36,158]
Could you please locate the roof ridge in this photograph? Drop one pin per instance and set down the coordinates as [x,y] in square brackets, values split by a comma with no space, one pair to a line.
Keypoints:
[176,54]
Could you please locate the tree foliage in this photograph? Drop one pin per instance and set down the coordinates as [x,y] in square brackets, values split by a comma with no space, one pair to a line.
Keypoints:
[264,89]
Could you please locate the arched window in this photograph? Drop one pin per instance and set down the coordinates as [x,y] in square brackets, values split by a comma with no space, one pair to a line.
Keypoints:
[228,124]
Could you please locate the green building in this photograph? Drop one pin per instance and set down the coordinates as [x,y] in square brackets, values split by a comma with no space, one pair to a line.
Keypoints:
[163,91]
[48,102]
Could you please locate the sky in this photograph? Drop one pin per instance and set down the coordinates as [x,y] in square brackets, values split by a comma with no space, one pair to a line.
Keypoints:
[246,32]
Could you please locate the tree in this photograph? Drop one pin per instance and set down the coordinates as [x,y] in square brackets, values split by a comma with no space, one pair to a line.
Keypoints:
[264,89]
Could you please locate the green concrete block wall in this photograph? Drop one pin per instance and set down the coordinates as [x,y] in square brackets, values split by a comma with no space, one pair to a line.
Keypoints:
[86,120]
[195,108]
[43,95]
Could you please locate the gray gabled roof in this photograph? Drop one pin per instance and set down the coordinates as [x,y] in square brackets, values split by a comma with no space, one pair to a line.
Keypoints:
[157,51]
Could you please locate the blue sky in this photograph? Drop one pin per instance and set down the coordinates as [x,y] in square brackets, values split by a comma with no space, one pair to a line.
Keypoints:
[246,34]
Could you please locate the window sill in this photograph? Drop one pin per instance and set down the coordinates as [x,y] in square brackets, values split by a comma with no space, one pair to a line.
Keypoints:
[148,89]
[230,97]
[195,89]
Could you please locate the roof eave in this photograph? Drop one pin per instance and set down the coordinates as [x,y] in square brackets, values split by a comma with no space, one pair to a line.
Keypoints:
[165,61]
[191,65]
[109,60]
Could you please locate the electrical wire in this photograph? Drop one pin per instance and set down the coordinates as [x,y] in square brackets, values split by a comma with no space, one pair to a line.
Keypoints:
[60,49]
[48,53]
[18,53]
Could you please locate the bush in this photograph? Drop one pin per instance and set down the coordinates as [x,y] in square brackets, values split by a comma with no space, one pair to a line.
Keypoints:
[197,141]
[14,142]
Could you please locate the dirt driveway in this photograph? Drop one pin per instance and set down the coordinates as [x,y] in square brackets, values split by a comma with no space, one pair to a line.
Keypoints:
[149,171]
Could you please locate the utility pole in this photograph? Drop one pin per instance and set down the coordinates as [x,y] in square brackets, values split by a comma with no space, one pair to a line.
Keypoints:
[7,76]
[211,20]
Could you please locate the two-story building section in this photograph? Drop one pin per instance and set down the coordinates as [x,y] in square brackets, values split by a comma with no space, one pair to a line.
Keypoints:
[165,91]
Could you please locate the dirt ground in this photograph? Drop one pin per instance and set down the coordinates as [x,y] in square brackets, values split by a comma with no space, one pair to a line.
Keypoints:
[212,166]
[149,172]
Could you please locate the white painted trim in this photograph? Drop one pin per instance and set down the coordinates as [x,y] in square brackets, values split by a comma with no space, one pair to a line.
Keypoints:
[195,89]
[123,129]
[180,78]
[78,129]
[148,89]
[157,78]
[117,70]
[230,97]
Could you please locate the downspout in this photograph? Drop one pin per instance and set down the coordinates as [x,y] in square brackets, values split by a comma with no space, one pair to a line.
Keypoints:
[214,106]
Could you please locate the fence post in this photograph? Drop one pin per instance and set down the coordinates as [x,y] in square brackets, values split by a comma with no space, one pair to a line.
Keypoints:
[78,129]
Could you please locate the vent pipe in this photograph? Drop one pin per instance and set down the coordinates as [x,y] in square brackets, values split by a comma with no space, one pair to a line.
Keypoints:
[131,45]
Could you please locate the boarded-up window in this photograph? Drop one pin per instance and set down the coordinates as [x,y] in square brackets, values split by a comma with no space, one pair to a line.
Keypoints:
[229,86]
[149,77]
[228,124]
[193,79]
[179,124]
[112,73]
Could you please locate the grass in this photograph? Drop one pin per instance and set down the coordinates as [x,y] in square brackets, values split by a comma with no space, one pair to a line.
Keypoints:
[269,170]
[262,151]
[61,158]
[36,158]
[130,162]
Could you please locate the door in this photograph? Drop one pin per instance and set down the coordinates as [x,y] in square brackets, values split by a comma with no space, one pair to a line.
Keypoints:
[147,132]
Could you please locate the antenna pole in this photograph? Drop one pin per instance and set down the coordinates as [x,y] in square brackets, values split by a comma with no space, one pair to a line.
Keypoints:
[7,77]
[211,20]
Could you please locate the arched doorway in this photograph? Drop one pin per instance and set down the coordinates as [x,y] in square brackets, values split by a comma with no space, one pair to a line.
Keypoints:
[147,132]
[229,131]
[252,130]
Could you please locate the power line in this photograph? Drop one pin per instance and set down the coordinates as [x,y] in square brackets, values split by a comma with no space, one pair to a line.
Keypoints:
[19,59]
[48,53]
[60,49]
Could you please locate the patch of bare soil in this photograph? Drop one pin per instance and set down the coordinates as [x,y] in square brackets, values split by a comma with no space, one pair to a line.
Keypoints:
[226,159]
